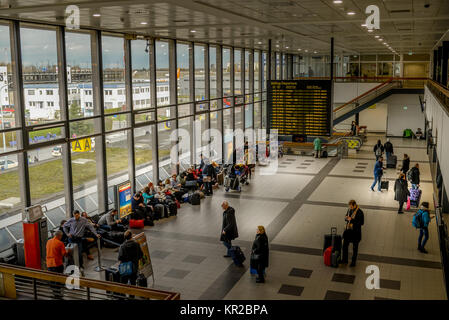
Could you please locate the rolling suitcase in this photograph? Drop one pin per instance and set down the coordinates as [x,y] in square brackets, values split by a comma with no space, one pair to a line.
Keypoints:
[384,184]
[392,161]
[195,199]
[220,178]
[415,197]
[237,255]
[136,224]
[332,253]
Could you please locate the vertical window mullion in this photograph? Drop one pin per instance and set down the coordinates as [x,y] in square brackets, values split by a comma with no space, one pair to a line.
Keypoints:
[153,97]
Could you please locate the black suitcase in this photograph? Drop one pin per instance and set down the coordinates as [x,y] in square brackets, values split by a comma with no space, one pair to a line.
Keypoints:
[195,199]
[237,255]
[112,274]
[328,240]
[324,154]
[384,184]
[392,161]
[173,208]
[142,281]
[158,211]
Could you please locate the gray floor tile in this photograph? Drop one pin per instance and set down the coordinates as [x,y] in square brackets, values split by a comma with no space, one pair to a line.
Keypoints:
[390,284]
[194,259]
[358,170]
[159,254]
[336,295]
[177,273]
[301,167]
[302,273]
[345,278]
[291,290]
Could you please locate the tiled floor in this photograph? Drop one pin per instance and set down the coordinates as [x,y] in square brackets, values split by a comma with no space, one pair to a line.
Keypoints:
[298,206]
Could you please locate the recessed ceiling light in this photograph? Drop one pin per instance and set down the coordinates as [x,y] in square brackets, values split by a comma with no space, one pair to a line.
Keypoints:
[376,37]
[381,39]
[286,47]
[364,25]
[260,42]
[351,13]
[338,1]
[143,22]
[277,46]
[193,31]
[315,52]
[97,15]
[370,30]
[299,49]
[306,50]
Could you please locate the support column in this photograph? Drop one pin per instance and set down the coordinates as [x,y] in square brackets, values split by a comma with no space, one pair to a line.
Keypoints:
[130,107]
[439,67]
[435,65]
[63,106]
[98,102]
[153,97]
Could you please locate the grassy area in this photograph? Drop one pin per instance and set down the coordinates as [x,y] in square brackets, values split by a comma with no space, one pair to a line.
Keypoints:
[47,178]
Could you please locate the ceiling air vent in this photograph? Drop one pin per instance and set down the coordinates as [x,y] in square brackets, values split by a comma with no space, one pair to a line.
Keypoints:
[400,11]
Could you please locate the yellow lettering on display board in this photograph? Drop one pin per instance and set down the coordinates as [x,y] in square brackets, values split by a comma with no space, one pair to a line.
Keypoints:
[82,145]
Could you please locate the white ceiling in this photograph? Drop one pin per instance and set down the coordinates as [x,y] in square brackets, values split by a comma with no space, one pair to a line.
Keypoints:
[406,25]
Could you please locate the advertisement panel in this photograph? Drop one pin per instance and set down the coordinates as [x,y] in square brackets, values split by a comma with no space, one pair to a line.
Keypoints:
[145,266]
[124,196]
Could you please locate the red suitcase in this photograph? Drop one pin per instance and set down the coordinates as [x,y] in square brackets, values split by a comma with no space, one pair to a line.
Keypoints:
[328,256]
[136,224]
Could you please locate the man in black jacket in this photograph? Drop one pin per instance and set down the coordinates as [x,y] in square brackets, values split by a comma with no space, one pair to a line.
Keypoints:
[130,251]
[388,147]
[353,233]
[378,149]
[229,230]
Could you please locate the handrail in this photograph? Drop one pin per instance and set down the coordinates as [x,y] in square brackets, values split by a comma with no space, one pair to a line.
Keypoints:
[362,78]
[89,283]
[363,95]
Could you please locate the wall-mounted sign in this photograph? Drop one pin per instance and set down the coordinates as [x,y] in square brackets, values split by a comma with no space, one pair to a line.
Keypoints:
[124,196]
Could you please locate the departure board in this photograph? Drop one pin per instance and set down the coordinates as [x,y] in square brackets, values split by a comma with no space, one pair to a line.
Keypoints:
[300,107]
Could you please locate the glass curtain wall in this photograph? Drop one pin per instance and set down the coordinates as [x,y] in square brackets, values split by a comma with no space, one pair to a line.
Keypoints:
[146,81]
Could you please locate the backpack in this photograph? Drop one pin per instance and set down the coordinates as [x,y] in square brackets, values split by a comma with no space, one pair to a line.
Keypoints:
[417,221]
[409,175]
[378,151]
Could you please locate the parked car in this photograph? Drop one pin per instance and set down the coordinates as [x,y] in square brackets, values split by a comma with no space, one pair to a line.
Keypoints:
[10,164]
[57,151]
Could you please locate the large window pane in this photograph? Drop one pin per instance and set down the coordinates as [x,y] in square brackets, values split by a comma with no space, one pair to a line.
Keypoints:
[79,75]
[113,74]
[164,147]
[226,72]
[264,68]
[10,199]
[143,153]
[213,71]
[238,118]
[117,157]
[140,75]
[182,59]
[256,71]
[237,72]
[248,56]
[217,152]
[200,87]
[228,138]
[278,65]
[162,73]
[40,75]
[84,173]
[8,112]
[185,147]
[248,116]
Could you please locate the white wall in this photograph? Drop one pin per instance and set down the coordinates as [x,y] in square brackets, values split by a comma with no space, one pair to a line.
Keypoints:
[440,123]
[375,119]
[346,91]
[399,118]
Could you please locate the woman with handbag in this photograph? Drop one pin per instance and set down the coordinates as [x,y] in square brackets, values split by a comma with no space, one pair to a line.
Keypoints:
[353,233]
[259,254]
[401,191]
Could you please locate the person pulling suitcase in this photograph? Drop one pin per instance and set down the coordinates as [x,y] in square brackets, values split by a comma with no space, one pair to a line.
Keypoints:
[353,233]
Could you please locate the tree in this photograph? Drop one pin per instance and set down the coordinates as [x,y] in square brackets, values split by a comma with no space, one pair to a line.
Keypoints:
[77,127]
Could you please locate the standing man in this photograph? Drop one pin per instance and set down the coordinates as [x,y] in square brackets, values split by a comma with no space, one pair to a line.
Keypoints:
[74,228]
[378,149]
[388,146]
[130,251]
[378,172]
[354,221]
[55,260]
[317,147]
[56,253]
[229,230]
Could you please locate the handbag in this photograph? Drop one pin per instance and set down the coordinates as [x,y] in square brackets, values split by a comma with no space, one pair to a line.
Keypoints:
[408,204]
[126,268]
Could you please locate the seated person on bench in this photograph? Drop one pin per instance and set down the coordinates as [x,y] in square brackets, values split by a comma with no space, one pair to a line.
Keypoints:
[418,134]
[107,222]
